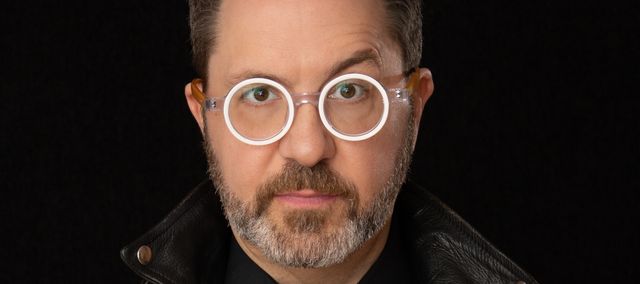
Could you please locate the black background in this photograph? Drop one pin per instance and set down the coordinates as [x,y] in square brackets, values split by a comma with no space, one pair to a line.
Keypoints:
[530,135]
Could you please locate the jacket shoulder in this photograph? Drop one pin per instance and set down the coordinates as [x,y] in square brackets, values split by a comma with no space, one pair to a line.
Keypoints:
[446,248]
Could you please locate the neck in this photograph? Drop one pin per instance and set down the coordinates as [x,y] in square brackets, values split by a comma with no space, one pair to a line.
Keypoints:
[351,270]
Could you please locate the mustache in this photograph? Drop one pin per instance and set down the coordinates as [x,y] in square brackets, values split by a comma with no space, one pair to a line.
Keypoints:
[294,176]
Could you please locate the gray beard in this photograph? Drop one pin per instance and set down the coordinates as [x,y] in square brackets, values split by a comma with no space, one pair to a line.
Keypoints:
[301,240]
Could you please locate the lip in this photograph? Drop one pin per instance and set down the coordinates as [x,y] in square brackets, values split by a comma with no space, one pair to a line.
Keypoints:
[305,198]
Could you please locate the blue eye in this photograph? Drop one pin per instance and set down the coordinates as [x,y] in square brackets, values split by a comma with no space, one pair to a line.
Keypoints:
[348,91]
[258,95]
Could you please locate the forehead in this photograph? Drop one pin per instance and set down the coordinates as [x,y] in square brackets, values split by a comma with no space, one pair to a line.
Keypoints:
[297,39]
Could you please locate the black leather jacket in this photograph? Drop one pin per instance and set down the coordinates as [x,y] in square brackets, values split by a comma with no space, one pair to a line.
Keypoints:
[192,242]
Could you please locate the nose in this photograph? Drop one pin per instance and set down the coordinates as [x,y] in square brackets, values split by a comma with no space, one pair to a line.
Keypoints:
[307,141]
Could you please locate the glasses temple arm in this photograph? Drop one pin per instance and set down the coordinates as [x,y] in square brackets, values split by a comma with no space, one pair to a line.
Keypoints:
[195,91]
[414,77]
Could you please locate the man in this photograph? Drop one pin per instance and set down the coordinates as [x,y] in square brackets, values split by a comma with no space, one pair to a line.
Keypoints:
[309,112]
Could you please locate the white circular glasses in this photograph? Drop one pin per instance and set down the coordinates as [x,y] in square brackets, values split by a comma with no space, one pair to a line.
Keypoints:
[260,111]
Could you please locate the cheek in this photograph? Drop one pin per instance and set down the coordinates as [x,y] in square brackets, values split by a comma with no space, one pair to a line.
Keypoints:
[370,163]
[243,167]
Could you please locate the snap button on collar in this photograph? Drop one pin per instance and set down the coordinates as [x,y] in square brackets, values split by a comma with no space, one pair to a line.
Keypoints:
[144,255]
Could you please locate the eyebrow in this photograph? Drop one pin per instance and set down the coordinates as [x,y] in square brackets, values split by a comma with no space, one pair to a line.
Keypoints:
[367,55]
[361,56]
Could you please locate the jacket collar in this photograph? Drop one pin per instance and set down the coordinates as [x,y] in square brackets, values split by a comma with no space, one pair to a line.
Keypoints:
[192,241]
[182,244]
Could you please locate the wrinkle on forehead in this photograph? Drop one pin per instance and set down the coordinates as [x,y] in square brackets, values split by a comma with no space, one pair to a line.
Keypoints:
[295,39]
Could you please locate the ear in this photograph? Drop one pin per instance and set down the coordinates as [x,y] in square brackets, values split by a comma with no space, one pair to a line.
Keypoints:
[422,93]
[194,106]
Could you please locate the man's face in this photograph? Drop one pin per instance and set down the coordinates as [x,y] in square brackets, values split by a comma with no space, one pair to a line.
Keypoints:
[309,199]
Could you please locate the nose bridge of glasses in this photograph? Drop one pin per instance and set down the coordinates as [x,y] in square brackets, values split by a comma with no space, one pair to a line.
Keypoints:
[306,98]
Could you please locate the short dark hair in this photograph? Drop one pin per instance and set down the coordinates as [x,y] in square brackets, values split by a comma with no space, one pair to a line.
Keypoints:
[404,23]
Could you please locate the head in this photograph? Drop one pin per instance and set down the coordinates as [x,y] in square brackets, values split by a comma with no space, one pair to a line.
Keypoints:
[309,199]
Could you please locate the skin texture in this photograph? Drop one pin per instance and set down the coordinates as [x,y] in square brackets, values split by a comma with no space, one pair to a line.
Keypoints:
[300,44]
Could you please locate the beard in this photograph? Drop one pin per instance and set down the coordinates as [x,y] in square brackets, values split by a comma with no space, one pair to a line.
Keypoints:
[302,239]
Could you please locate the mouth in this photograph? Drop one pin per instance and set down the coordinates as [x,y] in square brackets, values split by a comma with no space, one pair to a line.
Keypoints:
[305,198]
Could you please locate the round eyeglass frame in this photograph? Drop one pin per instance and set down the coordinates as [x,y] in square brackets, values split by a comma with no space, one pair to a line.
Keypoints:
[280,133]
[211,104]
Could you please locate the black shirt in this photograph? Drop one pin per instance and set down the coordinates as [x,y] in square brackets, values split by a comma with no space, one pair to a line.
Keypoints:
[391,267]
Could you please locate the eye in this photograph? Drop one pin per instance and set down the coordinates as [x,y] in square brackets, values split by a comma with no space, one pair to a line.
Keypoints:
[348,91]
[258,95]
